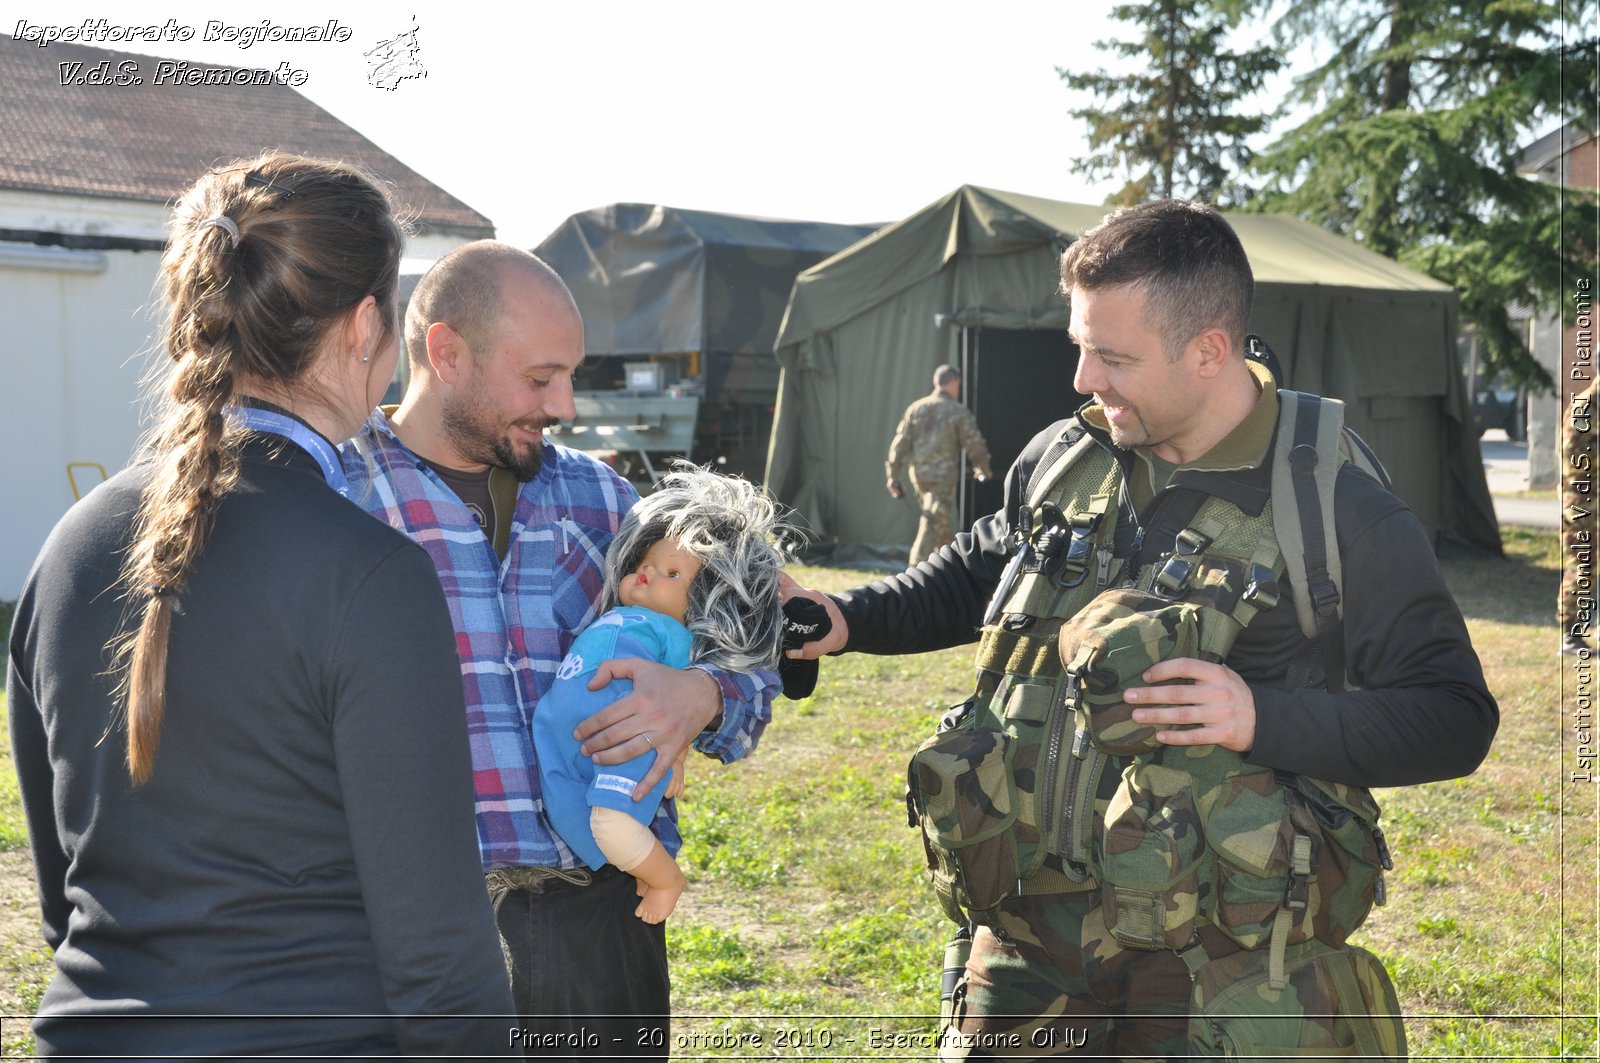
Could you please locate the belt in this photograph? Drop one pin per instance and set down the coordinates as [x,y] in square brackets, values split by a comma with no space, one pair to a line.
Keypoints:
[1051,879]
[539,879]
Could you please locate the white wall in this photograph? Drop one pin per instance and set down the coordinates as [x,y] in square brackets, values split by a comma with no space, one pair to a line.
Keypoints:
[70,368]
[82,215]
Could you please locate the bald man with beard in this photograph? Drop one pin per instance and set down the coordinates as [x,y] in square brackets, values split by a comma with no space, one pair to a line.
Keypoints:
[518,528]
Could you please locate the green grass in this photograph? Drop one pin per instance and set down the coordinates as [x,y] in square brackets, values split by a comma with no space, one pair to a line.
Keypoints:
[1490,930]
[13,830]
[715,959]
[7,611]
[25,966]
[806,895]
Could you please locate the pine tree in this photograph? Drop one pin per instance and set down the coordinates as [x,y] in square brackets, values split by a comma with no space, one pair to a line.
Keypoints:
[1419,116]
[1175,119]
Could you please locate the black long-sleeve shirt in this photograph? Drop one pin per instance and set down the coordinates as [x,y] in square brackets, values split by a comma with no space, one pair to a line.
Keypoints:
[1423,711]
[305,844]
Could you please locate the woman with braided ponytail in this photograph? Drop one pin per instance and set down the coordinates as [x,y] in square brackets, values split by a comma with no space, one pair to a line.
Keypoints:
[235,703]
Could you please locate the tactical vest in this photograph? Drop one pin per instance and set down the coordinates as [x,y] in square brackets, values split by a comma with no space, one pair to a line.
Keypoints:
[1009,793]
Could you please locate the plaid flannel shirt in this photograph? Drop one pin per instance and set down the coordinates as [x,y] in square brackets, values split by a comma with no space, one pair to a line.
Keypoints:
[515,620]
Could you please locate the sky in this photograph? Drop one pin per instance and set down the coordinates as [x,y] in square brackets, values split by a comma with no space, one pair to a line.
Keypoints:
[859,111]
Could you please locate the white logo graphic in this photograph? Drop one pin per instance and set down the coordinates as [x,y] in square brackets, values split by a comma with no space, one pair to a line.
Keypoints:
[617,784]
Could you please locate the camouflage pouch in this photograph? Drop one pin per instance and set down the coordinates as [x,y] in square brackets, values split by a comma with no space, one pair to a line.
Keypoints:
[960,791]
[1151,856]
[1252,826]
[1106,648]
[1285,841]
[1354,856]
[1338,1002]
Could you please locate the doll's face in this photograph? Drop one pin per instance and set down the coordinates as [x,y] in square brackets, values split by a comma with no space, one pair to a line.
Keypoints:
[661,582]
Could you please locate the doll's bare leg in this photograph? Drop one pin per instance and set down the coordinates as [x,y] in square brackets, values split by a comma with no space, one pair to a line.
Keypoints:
[663,884]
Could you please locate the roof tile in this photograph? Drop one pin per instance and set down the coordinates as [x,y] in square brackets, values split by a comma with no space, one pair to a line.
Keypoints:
[151,142]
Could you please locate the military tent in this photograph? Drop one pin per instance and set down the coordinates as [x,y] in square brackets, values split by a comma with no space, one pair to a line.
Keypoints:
[972,280]
[700,291]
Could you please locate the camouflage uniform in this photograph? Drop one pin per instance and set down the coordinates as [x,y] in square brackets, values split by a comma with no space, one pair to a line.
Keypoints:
[1046,973]
[1576,606]
[1049,981]
[932,435]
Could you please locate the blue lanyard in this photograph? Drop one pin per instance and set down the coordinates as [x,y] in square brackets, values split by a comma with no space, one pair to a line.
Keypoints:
[296,432]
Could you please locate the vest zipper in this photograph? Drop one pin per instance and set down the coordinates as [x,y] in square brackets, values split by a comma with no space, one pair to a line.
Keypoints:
[1102,571]
[1070,836]
[1084,781]
[1126,503]
[1050,826]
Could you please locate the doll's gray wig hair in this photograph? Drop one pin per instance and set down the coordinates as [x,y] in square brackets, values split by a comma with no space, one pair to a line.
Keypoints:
[733,529]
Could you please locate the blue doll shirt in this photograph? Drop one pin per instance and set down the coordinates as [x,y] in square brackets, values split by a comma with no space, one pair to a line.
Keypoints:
[571,782]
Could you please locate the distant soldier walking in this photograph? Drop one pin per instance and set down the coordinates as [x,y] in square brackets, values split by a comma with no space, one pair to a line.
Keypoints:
[932,435]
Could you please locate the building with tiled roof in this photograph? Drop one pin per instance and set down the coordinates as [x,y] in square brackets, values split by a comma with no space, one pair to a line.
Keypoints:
[88,175]
[146,143]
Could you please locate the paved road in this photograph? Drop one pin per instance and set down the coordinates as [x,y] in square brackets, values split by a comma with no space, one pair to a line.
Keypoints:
[1527,512]
[1505,466]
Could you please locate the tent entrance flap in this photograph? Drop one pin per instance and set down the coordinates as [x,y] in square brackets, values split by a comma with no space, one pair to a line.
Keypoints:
[1018,382]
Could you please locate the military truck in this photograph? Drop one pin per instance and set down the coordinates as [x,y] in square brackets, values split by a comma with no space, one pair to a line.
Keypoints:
[680,311]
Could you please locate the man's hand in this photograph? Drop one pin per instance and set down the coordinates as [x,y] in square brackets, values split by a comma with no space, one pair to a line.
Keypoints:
[665,710]
[834,640]
[1218,700]
[894,488]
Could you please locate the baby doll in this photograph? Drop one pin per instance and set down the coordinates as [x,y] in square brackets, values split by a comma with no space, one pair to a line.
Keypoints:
[691,576]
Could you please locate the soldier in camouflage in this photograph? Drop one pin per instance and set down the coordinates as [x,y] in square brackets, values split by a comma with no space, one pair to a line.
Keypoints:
[1576,607]
[933,434]
[1069,957]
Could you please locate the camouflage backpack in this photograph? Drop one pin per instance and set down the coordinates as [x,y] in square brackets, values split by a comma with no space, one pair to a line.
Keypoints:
[1334,1002]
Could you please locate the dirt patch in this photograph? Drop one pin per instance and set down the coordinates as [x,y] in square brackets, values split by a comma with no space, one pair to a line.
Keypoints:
[19,912]
[24,958]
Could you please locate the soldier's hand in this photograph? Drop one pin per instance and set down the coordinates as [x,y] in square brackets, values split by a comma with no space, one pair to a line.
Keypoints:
[1218,700]
[894,488]
[980,476]
[834,640]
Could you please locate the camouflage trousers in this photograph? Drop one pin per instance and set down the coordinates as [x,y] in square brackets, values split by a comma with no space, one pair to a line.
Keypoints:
[937,505]
[1049,981]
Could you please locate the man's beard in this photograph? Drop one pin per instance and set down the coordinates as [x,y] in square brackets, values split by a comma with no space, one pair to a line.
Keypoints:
[1129,436]
[465,430]
[524,468]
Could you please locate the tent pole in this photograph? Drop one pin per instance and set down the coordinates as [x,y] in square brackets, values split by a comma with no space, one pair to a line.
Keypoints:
[967,362]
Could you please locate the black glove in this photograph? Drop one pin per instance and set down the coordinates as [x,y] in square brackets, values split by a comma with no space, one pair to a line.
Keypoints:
[803,621]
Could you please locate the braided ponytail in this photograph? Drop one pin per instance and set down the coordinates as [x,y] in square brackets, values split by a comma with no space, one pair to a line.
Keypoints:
[264,259]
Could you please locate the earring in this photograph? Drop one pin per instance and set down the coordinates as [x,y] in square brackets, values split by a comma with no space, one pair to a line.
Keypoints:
[365,358]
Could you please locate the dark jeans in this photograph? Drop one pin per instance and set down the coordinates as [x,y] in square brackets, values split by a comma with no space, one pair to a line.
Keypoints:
[589,978]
